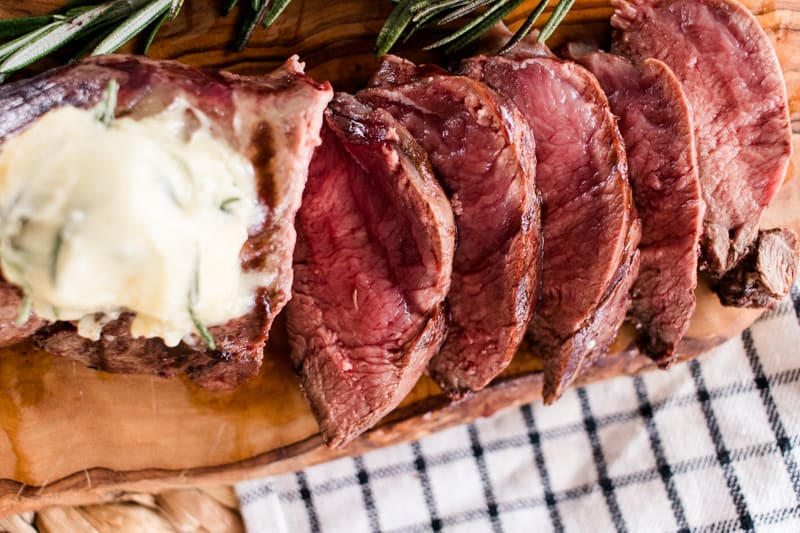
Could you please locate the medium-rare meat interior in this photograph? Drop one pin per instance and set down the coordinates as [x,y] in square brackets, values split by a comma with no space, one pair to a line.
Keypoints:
[733,81]
[372,267]
[589,223]
[483,151]
[656,124]
[163,241]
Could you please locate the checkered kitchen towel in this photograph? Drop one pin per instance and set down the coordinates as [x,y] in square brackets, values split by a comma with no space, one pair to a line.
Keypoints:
[712,445]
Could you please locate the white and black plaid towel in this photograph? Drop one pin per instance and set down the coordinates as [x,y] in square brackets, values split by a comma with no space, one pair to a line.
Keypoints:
[711,445]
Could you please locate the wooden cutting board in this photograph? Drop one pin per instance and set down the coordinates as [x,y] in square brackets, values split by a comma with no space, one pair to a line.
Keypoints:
[70,435]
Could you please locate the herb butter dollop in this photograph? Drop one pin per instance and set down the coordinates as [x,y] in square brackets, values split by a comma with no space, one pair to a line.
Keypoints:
[142,216]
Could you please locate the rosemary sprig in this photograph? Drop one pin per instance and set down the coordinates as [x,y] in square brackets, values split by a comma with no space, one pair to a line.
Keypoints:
[103,26]
[110,23]
[477,27]
[410,16]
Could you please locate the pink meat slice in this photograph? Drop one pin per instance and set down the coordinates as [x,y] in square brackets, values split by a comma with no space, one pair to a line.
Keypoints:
[589,222]
[483,151]
[372,268]
[733,82]
[656,124]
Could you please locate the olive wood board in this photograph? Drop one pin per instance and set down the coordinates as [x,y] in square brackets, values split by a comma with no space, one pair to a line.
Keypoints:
[70,435]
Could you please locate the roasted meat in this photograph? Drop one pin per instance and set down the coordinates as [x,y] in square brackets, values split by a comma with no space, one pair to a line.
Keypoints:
[735,87]
[483,151]
[588,219]
[272,120]
[656,124]
[372,267]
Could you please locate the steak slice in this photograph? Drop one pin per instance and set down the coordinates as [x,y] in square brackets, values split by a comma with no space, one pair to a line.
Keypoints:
[372,268]
[273,120]
[588,219]
[735,87]
[483,151]
[656,124]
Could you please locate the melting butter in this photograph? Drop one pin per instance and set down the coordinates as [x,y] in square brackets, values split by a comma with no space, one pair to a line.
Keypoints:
[96,220]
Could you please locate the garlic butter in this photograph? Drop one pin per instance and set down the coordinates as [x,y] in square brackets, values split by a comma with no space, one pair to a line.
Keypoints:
[131,216]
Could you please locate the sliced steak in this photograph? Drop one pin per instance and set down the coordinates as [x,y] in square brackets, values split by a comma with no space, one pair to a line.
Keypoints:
[372,268]
[273,120]
[656,124]
[733,81]
[588,219]
[765,275]
[483,151]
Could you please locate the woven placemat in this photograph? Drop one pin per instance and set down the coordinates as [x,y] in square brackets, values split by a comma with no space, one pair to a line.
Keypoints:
[203,510]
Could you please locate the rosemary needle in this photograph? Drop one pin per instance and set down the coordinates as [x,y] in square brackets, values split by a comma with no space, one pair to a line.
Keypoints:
[132,26]
[229,5]
[526,27]
[227,202]
[275,9]
[176,7]
[477,27]
[194,293]
[463,11]
[555,20]
[153,32]
[251,20]
[105,111]
[394,27]
[11,47]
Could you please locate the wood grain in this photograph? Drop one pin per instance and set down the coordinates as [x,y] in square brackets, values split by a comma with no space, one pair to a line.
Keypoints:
[70,435]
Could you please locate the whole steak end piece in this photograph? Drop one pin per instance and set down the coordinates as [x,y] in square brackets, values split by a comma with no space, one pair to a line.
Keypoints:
[273,120]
